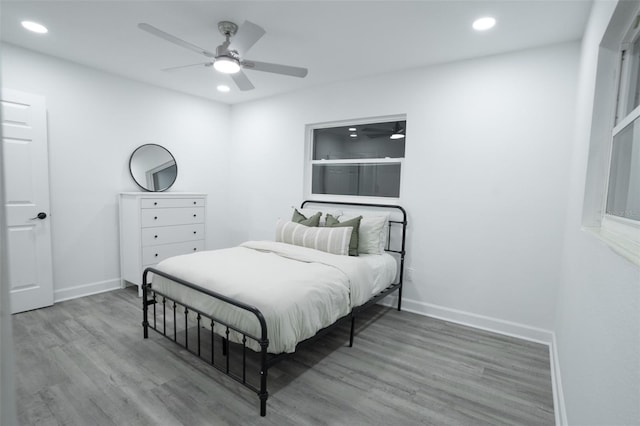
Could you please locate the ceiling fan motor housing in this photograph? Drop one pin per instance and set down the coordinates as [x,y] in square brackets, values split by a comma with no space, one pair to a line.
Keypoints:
[228,29]
[223,50]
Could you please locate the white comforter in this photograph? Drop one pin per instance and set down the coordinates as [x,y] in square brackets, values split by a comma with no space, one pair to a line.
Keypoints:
[298,290]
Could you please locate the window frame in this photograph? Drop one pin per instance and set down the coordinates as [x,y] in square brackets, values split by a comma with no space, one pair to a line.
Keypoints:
[309,161]
[633,118]
[625,70]
[622,234]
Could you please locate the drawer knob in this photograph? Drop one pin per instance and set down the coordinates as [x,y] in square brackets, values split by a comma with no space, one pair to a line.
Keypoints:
[155,203]
[194,202]
[194,215]
[155,236]
[194,232]
[155,218]
[194,249]
[156,255]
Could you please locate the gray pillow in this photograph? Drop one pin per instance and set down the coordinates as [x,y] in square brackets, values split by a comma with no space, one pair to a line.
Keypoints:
[306,221]
[332,222]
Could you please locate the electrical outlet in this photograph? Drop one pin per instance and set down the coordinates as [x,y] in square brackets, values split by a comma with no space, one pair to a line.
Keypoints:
[409,273]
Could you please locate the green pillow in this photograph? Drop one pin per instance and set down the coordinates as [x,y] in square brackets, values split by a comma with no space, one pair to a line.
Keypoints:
[303,220]
[332,222]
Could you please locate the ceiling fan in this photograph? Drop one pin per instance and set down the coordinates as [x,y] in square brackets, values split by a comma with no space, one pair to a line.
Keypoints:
[395,132]
[228,57]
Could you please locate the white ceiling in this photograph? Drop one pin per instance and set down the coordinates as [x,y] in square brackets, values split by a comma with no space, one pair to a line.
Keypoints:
[335,40]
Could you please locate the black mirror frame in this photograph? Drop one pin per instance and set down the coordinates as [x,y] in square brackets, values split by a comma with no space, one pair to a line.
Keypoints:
[134,178]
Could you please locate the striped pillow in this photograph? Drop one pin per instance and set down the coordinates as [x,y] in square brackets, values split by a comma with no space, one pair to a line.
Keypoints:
[331,240]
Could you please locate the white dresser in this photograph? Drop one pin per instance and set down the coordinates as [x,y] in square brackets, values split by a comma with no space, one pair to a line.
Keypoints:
[158,225]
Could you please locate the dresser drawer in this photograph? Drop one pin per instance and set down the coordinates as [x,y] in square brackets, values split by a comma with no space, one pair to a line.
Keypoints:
[172,234]
[171,216]
[154,254]
[160,203]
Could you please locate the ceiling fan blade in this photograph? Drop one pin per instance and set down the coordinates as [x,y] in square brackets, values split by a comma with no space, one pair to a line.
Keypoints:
[275,68]
[173,39]
[179,67]
[248,34]
[242,81]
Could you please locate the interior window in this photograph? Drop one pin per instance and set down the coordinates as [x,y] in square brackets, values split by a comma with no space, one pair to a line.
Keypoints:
[358,159]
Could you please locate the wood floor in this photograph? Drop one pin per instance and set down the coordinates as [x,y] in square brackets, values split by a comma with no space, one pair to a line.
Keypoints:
[84,362]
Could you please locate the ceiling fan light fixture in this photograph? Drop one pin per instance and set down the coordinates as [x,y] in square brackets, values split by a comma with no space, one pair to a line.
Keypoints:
[226,65]
[223,88]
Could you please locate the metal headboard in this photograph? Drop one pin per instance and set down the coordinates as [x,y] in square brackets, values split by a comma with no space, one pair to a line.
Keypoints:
[402,251]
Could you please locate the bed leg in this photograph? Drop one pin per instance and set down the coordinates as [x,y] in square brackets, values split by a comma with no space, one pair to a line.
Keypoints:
[400,297]
[263,395]
[263,405]
[353,326]
[145,319]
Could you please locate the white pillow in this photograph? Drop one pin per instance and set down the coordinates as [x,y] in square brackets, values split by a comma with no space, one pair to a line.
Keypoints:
[372,238]
[330,240]
[323,219]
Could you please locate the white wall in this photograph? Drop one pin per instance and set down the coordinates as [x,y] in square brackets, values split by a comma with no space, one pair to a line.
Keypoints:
[598,309]
[95,121]
[485,178]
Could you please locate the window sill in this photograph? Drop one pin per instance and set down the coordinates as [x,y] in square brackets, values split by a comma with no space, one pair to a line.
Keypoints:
[620,244]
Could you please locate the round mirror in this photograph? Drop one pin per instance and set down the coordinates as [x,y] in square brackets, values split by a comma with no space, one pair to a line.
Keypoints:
[153,167]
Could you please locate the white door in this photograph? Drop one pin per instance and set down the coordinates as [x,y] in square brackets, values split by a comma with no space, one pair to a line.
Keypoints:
[26,185]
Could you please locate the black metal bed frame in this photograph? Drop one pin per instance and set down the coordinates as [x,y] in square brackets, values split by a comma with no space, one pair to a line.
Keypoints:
[267,360]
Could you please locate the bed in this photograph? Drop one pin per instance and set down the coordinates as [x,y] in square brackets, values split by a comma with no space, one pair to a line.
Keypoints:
[262,300]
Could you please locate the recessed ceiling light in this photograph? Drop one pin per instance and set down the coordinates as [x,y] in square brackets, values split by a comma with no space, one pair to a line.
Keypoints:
[35,27]
[353,135]
[483,24]
[352,129]
[223,88]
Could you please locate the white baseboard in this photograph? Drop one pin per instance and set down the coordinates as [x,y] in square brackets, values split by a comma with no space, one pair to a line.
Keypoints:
[482,322]
[556,380]
[508,328]
[85,290]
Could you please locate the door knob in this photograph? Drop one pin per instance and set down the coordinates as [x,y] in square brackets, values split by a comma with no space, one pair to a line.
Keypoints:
[41,215]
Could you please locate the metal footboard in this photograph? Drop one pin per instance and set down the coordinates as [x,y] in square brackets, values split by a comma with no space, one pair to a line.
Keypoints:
[170,317]
[151,297]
